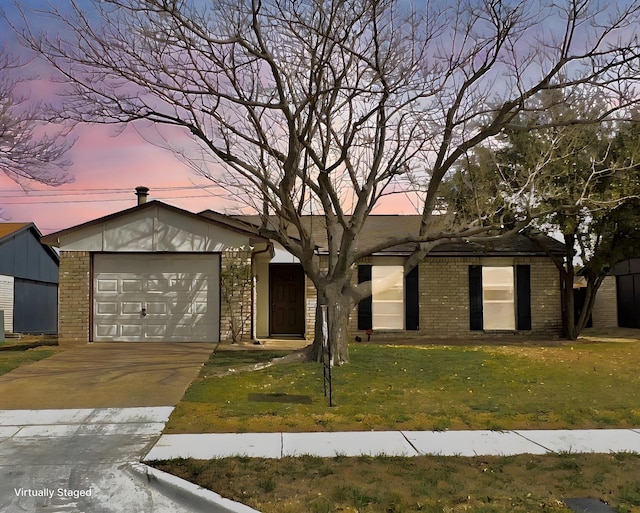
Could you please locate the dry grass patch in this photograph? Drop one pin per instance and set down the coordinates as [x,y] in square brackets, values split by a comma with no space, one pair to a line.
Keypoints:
[515,484]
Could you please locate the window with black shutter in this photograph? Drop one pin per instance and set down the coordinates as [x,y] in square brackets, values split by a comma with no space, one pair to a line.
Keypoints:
[411,300]
[364,306]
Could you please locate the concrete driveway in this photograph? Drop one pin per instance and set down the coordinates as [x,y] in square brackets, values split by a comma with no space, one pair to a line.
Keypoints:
[72,426]
[105,376]
[80,461]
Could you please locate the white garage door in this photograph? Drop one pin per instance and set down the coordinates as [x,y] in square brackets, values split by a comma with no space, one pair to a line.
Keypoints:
[151,297]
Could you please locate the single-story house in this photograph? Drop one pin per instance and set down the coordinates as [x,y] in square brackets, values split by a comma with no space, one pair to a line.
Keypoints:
[157,272]
[28,280]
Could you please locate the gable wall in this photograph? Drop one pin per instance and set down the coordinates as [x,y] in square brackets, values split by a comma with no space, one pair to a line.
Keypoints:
[23,256]
[154,229]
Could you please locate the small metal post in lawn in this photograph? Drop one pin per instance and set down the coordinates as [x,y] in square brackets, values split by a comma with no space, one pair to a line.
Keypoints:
[326,356]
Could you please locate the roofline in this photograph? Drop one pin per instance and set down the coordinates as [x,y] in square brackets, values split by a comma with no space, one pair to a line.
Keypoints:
[29,226]
[53,239]
[432,254]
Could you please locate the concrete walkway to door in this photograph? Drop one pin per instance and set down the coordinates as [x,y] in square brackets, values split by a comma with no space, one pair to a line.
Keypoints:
[116,375]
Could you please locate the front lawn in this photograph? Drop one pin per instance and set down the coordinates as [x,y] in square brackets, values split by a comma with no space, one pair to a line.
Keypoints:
[569,385]
[10,360]
[515,484]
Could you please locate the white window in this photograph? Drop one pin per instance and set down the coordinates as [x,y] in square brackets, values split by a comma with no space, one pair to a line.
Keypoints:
[498,304]
[387,299]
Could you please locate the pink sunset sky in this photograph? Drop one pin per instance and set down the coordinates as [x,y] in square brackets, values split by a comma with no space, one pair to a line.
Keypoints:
[107,163]
[106,168]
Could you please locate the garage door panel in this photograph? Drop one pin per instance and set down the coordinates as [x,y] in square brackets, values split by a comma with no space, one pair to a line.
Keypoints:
[157,285]
[179,296]
[107,308]
[200,307]
[106,330]
[130,330]
[157,308]
[157,330]
[107,285]
[132,308]
[131,285]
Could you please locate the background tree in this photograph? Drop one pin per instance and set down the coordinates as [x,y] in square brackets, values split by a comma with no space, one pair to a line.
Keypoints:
[30,151]
[328,106]
[579,181]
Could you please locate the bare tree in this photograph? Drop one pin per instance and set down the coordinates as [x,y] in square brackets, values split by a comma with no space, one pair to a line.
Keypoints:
[29,150]
[326,106]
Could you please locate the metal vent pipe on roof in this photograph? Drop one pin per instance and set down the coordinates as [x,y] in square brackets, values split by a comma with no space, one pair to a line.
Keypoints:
[142,193]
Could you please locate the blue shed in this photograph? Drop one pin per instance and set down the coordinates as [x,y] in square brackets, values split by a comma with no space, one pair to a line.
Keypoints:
[28,280]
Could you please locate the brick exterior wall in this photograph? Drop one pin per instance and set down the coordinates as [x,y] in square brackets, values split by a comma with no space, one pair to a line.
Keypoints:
[74,302]
[443,285]
[235,295]
[444,297]
[311,299]
[546,307]
[605,308]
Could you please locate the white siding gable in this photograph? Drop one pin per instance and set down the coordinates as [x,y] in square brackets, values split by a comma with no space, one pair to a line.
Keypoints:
[154,229]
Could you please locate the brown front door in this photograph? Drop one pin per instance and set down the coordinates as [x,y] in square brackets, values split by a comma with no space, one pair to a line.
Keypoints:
[286,295]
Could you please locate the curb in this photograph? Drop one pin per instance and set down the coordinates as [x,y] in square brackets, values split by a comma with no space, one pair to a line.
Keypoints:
[195,497]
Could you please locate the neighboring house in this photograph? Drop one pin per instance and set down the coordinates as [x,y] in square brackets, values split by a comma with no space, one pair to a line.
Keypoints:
[28,280]
[154,272]
[617,302]
[627,289]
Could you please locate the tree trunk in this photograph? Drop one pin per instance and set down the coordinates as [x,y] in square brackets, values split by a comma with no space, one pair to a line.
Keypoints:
[566,277]
[568,309]
[593,285]
[338,310]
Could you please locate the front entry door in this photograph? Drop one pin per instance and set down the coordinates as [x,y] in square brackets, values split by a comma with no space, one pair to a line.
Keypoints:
[286,295]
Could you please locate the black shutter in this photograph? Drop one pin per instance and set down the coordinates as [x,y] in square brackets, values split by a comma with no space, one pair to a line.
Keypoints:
[523,291]
[475,297]
[411,300]
[364,307]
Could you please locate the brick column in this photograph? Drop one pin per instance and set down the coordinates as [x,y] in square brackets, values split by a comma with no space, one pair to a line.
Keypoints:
[236,290]
[74,298]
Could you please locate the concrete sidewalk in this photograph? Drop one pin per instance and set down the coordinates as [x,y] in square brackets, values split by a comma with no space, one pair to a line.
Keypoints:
[88,460]
[395,443]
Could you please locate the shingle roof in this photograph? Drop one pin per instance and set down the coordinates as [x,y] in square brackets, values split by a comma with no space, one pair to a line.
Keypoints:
[378,228]
[7,229]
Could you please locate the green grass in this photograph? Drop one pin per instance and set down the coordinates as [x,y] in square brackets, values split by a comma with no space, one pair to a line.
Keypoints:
[10,360]
[516,484]
[572,385]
